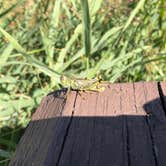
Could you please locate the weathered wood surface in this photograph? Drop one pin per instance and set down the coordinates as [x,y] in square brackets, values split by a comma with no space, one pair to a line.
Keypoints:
[123,126]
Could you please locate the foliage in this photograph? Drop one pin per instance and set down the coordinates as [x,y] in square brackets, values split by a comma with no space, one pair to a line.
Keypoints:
[40,40]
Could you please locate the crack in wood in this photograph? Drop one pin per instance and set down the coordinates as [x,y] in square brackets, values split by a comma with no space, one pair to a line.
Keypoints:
[135,105]
[67,131]
[125,134]
[149,125]
[161,94]
[127,142]
[152,139]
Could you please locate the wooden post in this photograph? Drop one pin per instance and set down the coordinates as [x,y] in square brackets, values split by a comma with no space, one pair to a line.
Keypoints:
[123,126]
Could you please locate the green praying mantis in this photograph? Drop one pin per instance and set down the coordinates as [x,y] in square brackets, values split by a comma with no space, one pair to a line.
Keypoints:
[82,84]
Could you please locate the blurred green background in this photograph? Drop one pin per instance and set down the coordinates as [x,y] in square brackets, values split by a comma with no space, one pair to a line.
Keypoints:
[122,40]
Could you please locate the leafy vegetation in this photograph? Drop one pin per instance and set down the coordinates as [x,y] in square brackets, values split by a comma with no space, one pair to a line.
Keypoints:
[40,40]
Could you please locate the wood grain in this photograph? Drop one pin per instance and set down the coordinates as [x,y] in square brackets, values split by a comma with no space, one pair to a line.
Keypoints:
[123,126]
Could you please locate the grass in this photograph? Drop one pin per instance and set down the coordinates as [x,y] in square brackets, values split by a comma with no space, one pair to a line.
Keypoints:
[41,40]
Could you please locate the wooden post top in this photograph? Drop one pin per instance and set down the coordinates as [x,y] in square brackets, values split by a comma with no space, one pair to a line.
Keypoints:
[125,125]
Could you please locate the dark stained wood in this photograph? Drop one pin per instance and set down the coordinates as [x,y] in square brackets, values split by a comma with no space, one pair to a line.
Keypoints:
[158,128]
[38,145]
[123,126]
[137,132]
[162,93]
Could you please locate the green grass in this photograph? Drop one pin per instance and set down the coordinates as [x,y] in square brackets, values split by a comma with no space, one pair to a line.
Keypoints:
[38,43]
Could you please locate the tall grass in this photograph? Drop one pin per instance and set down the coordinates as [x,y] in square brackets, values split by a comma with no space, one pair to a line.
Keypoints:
[40,40]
